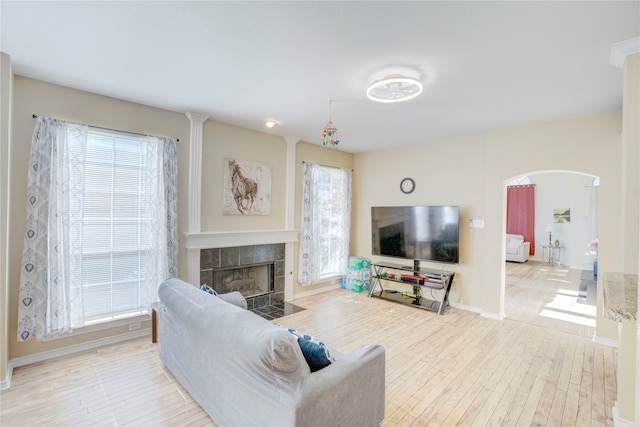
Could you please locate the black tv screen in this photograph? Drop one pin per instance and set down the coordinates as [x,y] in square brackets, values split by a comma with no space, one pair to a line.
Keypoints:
[429,233]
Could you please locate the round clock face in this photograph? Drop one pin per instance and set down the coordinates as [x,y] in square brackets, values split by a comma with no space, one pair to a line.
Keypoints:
[407,185]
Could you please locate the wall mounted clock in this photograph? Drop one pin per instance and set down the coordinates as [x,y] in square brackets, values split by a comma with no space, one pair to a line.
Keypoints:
[407,185]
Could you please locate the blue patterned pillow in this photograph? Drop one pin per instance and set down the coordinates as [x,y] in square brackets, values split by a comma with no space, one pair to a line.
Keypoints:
[314,351]
[208,289]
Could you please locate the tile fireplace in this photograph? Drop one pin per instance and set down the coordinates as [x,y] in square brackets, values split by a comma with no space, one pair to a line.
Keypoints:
[256,271]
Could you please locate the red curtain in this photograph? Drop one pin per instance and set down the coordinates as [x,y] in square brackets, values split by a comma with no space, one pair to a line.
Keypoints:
[521,213]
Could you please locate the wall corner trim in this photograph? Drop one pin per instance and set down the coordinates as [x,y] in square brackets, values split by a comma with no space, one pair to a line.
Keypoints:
[618,421]
[620,50]
[605,341]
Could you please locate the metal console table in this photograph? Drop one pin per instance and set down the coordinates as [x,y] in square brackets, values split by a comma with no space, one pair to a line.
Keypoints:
[437,282]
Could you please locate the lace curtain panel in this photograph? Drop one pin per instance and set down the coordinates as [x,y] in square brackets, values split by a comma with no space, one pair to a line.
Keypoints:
[55,268]
[326,223]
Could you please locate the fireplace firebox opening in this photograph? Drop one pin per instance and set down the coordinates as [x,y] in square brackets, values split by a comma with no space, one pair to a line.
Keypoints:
[249,280]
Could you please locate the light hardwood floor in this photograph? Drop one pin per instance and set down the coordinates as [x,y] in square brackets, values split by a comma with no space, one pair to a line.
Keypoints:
[456,369]
[542,294]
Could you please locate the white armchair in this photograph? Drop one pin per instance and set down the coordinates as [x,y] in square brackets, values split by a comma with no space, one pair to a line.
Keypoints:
[517,249]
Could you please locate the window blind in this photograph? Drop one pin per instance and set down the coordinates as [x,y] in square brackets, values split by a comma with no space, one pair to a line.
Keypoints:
[118,168]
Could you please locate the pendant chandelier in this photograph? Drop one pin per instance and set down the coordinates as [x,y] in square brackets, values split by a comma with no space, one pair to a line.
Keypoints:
[330,132]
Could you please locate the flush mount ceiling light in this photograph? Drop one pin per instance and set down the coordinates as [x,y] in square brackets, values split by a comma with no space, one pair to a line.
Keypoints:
[395,87]
[270,123]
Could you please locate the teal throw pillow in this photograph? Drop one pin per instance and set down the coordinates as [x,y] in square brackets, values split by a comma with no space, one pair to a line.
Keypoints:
[314,351]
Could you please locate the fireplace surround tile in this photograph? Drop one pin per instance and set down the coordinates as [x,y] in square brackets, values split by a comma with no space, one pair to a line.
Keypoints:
[206,277]
[229,257]
[209,258]
[212,259]
[279,284]
[247,255]
[280,266]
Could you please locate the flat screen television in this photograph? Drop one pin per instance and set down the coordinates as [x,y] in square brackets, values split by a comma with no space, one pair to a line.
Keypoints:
[428,233]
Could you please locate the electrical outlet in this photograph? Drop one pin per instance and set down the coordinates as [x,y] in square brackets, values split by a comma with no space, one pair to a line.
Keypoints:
[133,326]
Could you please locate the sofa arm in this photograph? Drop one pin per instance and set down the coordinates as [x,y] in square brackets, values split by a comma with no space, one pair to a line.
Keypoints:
[234,298]
[349,392]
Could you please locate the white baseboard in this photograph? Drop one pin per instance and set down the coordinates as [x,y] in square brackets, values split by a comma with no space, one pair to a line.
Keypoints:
[465,307]
[621,422]
[317,291]
[6,383]
[66,351]
[605,341]
[489,315]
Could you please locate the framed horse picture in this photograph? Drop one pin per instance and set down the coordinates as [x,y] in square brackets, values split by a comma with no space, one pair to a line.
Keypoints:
[247,188]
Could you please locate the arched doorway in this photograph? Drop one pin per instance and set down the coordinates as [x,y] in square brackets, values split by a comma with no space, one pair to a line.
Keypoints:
[556,287]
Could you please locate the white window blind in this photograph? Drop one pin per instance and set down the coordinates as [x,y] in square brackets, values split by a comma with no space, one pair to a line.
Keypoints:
[115,217]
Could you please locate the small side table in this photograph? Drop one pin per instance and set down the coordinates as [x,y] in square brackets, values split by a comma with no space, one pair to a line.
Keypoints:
[154,325]
[154,322]
[555,253]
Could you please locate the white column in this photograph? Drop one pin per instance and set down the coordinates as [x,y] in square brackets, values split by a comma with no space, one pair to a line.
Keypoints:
[6,89]
[289,252]
[291,180]
[195,170]
[195,193]
[193,266]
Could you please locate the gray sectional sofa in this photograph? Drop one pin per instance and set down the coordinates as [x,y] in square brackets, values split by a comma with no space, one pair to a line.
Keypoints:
[246,371]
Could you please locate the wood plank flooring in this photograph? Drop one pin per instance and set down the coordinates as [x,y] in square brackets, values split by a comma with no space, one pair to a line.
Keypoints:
[547,295]
[456,369]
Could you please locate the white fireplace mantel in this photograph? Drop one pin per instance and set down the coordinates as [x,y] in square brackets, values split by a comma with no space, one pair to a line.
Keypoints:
[225,239]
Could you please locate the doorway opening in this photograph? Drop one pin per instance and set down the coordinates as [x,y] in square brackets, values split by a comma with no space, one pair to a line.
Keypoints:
[557,291]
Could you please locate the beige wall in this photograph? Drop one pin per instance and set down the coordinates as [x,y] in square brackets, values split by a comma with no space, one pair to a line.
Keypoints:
[43,99]
[446,173]
[222,141]
[473,172]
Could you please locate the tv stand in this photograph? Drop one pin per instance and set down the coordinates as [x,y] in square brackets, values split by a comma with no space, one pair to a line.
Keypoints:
[420,279]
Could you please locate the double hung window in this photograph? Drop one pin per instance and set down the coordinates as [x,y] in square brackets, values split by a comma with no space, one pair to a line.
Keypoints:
[101,231]
[326,223]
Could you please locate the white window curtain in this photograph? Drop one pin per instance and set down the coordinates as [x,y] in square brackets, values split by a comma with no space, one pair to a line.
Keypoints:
[60,237]
[326,223]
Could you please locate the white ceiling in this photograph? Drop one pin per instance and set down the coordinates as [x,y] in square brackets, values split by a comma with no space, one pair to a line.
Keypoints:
[485,65]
